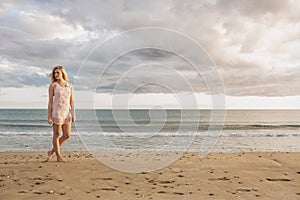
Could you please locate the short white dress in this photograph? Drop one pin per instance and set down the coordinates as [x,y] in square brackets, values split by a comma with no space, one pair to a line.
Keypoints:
[61,104]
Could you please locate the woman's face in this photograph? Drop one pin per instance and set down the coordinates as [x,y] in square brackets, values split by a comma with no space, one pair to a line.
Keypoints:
[57,74]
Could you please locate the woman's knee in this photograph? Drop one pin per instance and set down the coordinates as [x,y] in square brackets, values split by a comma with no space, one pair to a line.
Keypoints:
[56,135]
[56,131]
[66,131]
[67,136]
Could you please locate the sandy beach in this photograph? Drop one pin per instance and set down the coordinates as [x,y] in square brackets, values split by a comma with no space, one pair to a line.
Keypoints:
[256,175]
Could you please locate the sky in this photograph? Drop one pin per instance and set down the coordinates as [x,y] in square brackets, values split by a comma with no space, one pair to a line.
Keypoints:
[152,54]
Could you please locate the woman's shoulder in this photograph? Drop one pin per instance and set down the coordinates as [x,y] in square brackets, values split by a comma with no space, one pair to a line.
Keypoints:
[69,84]
[52,85]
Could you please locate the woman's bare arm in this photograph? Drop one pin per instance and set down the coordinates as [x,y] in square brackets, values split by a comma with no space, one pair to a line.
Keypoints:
[50,102]
[72,105]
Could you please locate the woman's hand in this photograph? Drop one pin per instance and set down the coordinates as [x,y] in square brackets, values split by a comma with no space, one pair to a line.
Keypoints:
[50,121]
[73,118]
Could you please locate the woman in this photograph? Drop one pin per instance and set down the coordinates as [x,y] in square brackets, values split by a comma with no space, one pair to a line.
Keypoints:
[59,116]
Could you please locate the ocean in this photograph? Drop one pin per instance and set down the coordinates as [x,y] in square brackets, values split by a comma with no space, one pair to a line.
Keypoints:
[156,130]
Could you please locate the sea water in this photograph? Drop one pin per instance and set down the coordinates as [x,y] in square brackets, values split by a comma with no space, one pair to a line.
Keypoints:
[156,130]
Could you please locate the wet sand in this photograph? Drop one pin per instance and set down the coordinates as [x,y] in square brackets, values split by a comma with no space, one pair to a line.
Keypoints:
[256,175]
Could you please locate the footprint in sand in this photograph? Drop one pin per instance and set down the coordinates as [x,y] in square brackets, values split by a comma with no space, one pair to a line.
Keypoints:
[166,182]
[127,182]
[243,190]
[37,192]
[108,189]
[178,193]
[23,191]
[278,179]
[107,179]
[100,178]
[39,182]
[219,179]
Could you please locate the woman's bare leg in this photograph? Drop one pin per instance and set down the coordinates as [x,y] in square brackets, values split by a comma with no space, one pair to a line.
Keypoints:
[66,135]
[56,144]
[56,133]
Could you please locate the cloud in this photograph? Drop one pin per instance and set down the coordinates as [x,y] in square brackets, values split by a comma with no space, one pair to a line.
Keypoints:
[254,43]
[11,76]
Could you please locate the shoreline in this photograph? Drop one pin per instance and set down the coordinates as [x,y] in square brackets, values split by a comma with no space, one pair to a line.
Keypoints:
[221,144]
[252,175]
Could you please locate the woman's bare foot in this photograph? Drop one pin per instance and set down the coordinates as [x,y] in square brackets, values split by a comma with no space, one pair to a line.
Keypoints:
[50,154]
[60,159]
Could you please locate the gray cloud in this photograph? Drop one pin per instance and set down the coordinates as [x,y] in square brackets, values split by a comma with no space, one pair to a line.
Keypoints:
[254,43]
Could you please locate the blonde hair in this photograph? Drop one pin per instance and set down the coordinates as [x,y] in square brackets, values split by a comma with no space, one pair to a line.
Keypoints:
[63,71]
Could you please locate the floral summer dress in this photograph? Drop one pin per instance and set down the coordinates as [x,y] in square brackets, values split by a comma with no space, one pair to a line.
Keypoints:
[61,104]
